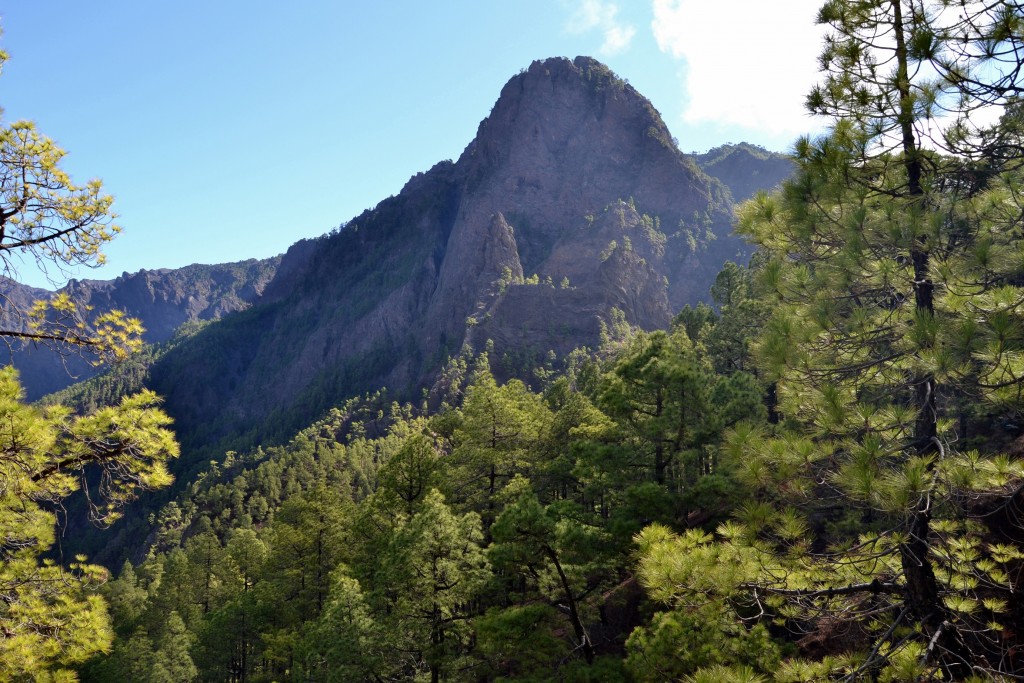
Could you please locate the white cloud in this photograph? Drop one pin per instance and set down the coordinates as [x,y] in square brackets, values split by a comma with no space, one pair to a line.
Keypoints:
[751,65]
[598,15]
[617,39]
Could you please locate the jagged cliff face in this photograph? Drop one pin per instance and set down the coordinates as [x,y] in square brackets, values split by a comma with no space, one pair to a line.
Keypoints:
[616,259]
[164,299]
[573,178]
[571,201]
[565,141]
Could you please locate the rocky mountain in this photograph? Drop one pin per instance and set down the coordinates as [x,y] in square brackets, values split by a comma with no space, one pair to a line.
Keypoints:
[744,168]
[571,201]
[163,299]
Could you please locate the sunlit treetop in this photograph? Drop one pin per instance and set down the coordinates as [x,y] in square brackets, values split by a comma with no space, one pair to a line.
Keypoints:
[53,224]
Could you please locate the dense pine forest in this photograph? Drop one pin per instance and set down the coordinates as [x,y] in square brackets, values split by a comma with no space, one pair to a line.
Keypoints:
[818,475]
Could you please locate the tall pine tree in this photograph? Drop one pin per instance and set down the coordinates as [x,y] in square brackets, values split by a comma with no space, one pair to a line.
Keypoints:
[895,263]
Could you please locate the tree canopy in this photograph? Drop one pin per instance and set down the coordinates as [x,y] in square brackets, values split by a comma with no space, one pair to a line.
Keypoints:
[51,618]
[894,274]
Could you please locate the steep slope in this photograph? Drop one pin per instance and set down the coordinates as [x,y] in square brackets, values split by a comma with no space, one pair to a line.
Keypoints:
[745,169]
[162,299]
[571,201]
[572,176]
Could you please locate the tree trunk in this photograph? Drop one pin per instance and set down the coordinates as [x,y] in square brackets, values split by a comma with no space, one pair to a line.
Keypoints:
[659,445]
[574,615]
[922,588]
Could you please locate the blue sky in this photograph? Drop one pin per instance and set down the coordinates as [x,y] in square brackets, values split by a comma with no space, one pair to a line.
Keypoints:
[230,129]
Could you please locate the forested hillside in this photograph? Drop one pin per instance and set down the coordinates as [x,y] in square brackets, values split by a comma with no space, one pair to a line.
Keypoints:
[490,538]
[570,206]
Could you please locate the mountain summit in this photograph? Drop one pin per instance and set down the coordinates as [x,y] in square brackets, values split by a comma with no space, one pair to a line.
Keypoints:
[572,200]
[566,141]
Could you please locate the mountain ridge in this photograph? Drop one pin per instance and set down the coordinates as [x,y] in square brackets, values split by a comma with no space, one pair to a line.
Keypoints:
[165,299]
[573,176]
[565,140]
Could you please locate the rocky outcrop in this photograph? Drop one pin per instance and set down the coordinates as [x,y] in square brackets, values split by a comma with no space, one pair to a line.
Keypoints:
[615,260]
[163,299]
[568,138]
[572,201]
[166,298]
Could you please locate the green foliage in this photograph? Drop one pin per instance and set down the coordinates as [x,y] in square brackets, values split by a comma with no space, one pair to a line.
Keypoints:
[41,205]
[122,379]
[437,560]
[50,617]
[518,641]
[555,549]
[727,334]
[412,471]
[679,642]
[345,643]
[173,663]
[499,434]
[337,557]
[672,407]
[56,224]
[694,319]
[891,301]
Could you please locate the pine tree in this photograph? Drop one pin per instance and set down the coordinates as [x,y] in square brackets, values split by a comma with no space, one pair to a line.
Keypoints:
[57,224]
[229,637]
[894,267]
[729,338]
[553,549]
[410,473]
[515,642]
[658,393]
[669,407]
[49,615]
[126,599]
[345,643]
[176,592]
[171,656]
[307,541]
[430,573]
[209,565]
[499,431]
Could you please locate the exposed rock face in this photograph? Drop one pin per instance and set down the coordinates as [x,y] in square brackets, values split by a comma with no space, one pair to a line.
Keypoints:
[565,140]
[162,299]
[573,176]
[745,169]
[572,200]
[167,298]
[614,260]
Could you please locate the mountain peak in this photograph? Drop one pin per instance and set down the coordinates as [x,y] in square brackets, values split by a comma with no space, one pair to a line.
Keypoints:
[564,140]
[556,103]
[572,202]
